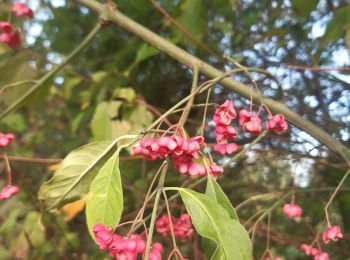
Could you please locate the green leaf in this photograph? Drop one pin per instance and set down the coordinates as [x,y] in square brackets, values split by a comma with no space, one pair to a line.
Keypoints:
[337,25]
[34,230]
[145,52]
[38,97]
[98,76]
[127,94]
[73,179]
[213,222]
[68,86]
[304,8]
[10,221]
[139,117]
[15,122]
[192,17]
[215,192]
[4,253]
[77,121]
[102,124]
[105,200]
[16,68]
[10,95]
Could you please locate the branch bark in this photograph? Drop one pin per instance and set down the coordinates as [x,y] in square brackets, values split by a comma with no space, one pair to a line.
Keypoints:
[116,17]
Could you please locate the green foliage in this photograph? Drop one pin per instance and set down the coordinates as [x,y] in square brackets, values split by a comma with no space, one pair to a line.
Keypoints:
[34,229]
[15,122]
[145,52]
[113,118]
[93,103]
[103,126]
[11,221]
[337,25]
[191,18]
[105,200]
[73,179]
[24,236]
[68,87]
[4,253]
[139,117]
[304,8]
[212,221]
[127,94]
[215,192]
[9,97]
[14,68]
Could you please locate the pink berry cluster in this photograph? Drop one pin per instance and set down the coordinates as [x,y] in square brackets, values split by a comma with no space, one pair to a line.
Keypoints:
[9,34]
[317,254]
[182,227]
[247,120]
[8,191]
[223,130]
[252,123]
[332,233]
[292,210]
[184,153]
[124,248]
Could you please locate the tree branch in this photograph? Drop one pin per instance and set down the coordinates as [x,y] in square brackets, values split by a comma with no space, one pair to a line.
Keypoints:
[182,56]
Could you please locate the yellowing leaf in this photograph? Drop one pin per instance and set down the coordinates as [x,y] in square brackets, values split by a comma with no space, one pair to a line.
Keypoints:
[72,181]
[347,39]
[54,167]
[85,105]
[19,247]
[73,209]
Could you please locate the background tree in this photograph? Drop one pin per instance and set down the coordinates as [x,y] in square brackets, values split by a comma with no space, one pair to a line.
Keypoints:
[119,85]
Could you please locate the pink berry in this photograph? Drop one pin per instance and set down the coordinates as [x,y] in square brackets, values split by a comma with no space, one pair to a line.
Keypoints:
[225,113]
[277,124]
[292,210]
[21,9]
[8,191]
[9,35]
[333,233]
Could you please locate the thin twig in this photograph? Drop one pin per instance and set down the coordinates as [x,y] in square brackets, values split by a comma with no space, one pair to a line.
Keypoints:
[333,196]
[188,106]
[182,29]
[7,169]
[154,212]
[316,68]
[241,153]
[148,197]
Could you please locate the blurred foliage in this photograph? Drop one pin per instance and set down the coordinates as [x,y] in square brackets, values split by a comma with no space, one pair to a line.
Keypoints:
[102,95]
